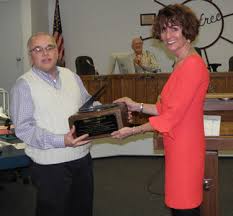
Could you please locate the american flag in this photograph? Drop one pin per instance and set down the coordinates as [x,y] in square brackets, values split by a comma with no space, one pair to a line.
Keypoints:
[57,33]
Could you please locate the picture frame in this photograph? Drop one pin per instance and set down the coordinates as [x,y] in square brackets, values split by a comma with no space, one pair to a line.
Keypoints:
[147,19]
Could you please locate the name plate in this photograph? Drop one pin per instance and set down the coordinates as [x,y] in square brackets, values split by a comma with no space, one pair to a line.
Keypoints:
[100,121]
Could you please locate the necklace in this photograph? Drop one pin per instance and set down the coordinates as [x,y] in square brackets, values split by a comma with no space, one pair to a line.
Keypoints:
[185,54]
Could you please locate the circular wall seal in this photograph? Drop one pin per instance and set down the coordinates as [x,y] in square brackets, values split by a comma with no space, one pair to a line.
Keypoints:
[211,22]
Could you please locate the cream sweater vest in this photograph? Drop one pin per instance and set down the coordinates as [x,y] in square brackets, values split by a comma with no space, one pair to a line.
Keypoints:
[52,110]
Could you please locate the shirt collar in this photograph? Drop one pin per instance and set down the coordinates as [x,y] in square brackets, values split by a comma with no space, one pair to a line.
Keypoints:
[47,77]
[45,74]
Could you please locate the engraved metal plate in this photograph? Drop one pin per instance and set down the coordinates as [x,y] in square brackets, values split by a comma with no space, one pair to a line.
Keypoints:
[100,122]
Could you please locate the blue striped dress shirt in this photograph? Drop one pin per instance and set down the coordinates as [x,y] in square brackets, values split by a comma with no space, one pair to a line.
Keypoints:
[22,110]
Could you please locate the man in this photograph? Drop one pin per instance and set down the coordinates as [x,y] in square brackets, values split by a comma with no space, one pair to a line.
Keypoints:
[144,61]
[41,102]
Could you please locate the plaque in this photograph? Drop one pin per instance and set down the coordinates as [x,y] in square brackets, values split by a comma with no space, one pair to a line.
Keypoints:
[100,121]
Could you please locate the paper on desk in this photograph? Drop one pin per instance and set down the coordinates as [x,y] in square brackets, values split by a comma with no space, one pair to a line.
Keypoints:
[16,145]
[19,145]
[212,125]
[2,115]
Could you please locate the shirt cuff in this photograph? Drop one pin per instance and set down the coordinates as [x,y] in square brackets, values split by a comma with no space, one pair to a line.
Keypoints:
[59,141]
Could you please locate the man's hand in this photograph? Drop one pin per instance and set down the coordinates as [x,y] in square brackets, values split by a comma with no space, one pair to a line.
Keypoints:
[138,60]
[123,133]
[71,141]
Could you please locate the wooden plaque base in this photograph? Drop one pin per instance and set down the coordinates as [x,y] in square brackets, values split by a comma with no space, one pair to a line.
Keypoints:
[101,122]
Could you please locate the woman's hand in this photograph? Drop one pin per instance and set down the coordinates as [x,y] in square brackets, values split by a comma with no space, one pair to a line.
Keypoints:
[130,117]
[128,131]
[131,105]
[122,133]
[71,141]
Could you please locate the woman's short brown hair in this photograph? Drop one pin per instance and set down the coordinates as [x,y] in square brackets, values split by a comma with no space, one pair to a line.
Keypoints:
[179,15]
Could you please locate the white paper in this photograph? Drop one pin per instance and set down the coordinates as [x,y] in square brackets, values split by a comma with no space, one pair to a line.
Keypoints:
[212,125]
[2,115]
[19,145]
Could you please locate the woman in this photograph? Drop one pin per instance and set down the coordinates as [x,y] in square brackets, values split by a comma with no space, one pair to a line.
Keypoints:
[178,115]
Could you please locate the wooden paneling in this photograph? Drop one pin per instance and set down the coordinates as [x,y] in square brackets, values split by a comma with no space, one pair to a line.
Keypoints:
[107,95]
[229,82]
[162,79]
[221,82]
[128,87]
[217,84]
[140,88]
[151,88]
[210,199]
[116,87]
[146,87]
[93,83]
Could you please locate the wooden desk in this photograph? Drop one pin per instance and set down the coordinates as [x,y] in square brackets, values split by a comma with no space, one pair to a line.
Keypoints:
[213,105]
[146,87]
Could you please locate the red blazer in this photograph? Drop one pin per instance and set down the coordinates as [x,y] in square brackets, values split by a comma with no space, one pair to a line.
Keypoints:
[180,120]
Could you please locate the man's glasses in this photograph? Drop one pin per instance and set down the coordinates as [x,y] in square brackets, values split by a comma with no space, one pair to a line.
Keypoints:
[40,50]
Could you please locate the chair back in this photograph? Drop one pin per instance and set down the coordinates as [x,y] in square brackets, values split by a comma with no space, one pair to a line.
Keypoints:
[84,65]
[198,50]
[231,64]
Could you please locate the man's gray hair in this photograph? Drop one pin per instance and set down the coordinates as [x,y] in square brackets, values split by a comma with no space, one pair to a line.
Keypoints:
[29,43]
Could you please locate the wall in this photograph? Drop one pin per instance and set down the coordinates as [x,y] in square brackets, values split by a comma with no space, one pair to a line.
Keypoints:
[34,18]
[26,30]
[99,28]
[17,24]
[11,42]
[39,16]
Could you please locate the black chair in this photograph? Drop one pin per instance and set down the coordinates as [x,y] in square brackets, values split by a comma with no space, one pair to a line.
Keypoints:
[231,64]
[198,51]
[214,66]
[85,65]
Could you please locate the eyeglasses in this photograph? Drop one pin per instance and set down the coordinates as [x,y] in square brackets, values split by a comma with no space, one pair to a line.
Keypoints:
[40,50]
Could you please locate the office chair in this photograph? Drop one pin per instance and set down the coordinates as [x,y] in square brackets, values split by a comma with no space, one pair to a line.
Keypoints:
[214,66]
[85,65]
[231,64]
